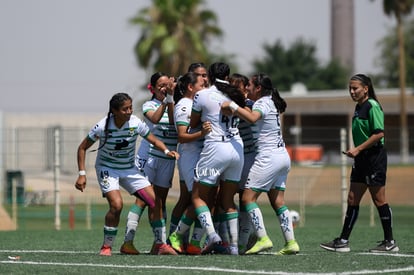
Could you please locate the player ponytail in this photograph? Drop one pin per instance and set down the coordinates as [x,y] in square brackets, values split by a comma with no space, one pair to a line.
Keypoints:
[366,81]
[267,89]
[181,88]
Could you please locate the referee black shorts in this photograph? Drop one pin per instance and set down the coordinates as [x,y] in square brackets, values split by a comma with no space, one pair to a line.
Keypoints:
[370,167]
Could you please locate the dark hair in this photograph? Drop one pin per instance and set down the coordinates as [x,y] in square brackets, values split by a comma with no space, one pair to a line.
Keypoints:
[218,73]
[194,66]
[235,80]
[115,103]
[218,70]
[182,84]
[366,81]
[154,79]
[267,89]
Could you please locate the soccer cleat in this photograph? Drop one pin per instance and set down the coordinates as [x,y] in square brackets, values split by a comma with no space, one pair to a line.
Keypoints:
[385,246]
[262,244]
[291,248]
[128,248]
[106,250]
[337,245]
[252,241]
[193,249]
[214,245]
[163,249]
[242,249]
[176,242]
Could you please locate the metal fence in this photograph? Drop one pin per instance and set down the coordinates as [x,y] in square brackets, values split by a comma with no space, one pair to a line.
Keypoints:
[33,152]
[40,168]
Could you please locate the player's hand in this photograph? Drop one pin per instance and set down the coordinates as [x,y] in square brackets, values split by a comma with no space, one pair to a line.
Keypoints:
[225,108]
[352,153]
[81,183]
[173,154]
[171,86]
[206,128]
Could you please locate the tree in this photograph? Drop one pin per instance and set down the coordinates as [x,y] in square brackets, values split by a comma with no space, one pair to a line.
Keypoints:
[388,57]
[399,8]
[174,33]
[299,64]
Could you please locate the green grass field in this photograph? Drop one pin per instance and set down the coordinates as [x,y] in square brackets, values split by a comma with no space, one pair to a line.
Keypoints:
[43,250]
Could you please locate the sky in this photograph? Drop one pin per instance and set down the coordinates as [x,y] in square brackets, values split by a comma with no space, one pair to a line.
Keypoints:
[60,56]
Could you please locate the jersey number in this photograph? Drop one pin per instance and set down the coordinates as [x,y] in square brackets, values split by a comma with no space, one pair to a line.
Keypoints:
[233,123]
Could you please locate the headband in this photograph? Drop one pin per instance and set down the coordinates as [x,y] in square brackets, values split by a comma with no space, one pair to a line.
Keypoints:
[222,81]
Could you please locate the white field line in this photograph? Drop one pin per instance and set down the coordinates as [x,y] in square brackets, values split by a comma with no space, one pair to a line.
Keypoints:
[147,252]
[215,269]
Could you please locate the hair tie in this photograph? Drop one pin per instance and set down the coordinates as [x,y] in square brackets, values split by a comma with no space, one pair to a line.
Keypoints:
[149,87]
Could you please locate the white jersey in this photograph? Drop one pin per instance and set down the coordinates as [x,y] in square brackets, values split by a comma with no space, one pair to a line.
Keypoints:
[162,130]
[270,134]
[182,115]
[208,102]
[248,132]
[190,151]
[118,152]
[222,155]
[272,163]
[144,146]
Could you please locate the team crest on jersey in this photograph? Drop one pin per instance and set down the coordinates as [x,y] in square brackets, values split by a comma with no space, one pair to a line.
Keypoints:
[131,131]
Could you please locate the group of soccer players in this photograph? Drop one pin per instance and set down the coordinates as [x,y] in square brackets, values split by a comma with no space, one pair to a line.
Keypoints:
[223,131]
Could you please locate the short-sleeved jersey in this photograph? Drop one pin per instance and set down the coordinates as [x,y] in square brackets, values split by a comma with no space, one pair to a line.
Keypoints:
[248,132]
[182,115]
[368,120]
[118,152]
[144,146]
[207,103]
[163,130]
[270,134]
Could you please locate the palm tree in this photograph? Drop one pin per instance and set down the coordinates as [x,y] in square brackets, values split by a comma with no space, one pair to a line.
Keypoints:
[399,8]
[174,33]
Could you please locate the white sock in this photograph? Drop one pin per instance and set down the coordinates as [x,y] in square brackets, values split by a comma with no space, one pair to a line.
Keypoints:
[160,231]
[256,218]
[134,215]
[198,234]
[109,235]
[182,228]
[286,223]
[204,216]
[232,220]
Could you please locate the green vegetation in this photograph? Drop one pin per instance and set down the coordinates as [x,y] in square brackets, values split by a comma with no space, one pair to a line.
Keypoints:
[45,250]
[299,63]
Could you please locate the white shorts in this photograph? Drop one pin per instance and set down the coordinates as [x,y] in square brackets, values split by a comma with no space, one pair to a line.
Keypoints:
[186,167]
[160,171]
[140,163]
[110,179]
[142,156]
[222,160]
[248,162]
[269,171]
